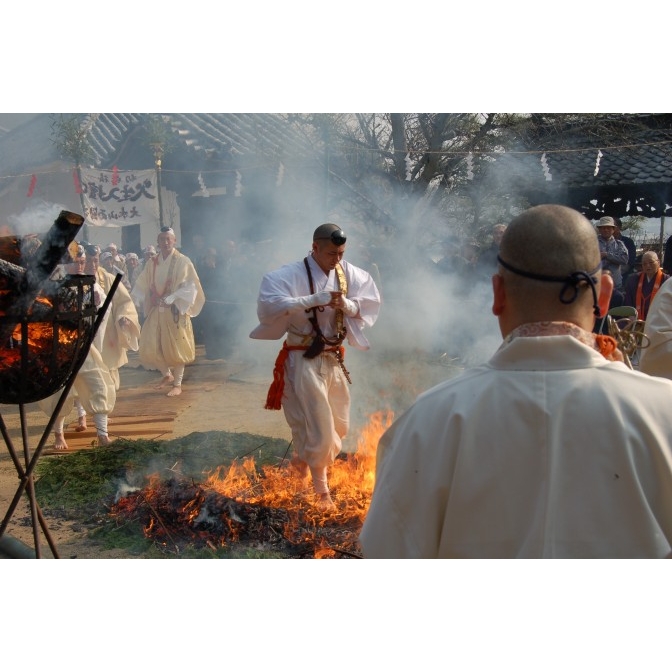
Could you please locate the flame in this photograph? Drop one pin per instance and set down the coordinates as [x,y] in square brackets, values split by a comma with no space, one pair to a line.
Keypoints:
[225,499]
[40,337]
[351,478]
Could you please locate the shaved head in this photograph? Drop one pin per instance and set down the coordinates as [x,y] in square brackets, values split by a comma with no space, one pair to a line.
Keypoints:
[551,240]
[554,242]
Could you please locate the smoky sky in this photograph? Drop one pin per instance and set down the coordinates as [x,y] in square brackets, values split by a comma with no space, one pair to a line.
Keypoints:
[442,321]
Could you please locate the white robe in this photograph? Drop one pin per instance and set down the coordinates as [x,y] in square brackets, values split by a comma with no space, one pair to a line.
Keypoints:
[546,451]
[278,315]
[656,358]
[316,399]
[167,341]
[94,385]
[115,339]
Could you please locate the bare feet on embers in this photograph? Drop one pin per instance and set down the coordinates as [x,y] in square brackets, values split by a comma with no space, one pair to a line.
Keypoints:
[81,424]
[300,468]
[325,502]
[177,389]
[104,439]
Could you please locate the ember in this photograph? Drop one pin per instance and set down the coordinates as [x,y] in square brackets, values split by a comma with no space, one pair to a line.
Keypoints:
[47,343]
[262,508]
[46,325]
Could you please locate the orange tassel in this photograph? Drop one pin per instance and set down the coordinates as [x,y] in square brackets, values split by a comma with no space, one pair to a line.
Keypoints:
[607,346]
[277,388]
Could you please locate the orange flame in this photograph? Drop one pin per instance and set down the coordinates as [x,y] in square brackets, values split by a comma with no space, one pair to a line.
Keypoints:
[351,480]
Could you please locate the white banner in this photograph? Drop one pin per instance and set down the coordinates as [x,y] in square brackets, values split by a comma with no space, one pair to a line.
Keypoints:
[119,197]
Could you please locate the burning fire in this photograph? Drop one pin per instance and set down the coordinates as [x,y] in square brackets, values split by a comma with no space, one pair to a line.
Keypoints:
[267,507]
[40,339]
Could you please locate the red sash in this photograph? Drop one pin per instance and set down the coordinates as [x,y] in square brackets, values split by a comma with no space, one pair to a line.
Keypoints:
[640,298]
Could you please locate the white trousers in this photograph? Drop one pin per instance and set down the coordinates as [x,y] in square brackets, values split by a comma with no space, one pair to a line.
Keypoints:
[316,403]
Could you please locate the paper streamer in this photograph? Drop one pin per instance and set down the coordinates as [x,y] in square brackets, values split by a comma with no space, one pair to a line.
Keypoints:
[547,171]
[470,166]
[204,189]
[597,163]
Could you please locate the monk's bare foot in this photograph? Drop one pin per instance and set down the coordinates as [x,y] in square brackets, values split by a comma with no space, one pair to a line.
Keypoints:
[166,380]
[177,389]
[104,439]
[81,424]
[300,468]
[325,502]
[59,441]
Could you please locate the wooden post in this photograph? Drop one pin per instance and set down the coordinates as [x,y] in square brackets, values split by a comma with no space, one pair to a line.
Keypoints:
[158,155]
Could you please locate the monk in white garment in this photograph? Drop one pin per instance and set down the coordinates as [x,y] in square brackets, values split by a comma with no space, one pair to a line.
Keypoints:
[170,293]
[656,358]
[552,449]
[317,304]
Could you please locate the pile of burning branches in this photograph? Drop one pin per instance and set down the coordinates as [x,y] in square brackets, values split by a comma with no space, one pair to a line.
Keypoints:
[266,509]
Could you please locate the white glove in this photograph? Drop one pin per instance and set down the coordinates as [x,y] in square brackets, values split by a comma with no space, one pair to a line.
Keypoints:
[314,300]
[350,308]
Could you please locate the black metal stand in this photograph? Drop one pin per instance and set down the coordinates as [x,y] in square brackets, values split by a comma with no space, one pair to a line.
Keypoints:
[26,468]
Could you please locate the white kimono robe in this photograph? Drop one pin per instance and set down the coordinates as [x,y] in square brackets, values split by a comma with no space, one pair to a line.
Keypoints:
[94,384]
[167,338]
[549,450]
[117,340]
[280,289]
[656,358]
[316,399]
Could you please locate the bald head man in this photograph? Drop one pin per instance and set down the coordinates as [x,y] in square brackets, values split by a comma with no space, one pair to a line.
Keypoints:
[642,287]
[549,269]
[549,449]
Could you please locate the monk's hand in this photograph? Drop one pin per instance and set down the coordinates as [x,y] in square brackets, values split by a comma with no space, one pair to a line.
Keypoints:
[348,306]
[314,300]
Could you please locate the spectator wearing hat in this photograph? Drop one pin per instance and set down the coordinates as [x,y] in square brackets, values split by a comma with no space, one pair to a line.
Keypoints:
[118,259]
[614,254]
[148,253]
[134,267]
[108,263]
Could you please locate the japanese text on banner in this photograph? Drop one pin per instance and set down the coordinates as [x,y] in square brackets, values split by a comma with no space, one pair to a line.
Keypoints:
[120,198]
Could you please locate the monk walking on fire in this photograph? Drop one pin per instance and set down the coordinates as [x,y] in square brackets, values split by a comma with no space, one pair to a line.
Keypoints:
[317,304]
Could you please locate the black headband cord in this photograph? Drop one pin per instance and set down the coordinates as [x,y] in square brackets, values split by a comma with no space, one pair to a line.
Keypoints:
[570,282]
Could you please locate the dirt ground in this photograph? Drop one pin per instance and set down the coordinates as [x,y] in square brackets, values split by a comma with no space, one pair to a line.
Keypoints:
[217,396]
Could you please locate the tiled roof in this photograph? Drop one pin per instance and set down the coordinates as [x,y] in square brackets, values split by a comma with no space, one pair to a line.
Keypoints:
[222,136]
[597,174]
[107,131]
[598,177]
[237,134]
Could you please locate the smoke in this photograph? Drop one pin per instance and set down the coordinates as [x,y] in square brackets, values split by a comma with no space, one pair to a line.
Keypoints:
[438,323]
[36,218]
